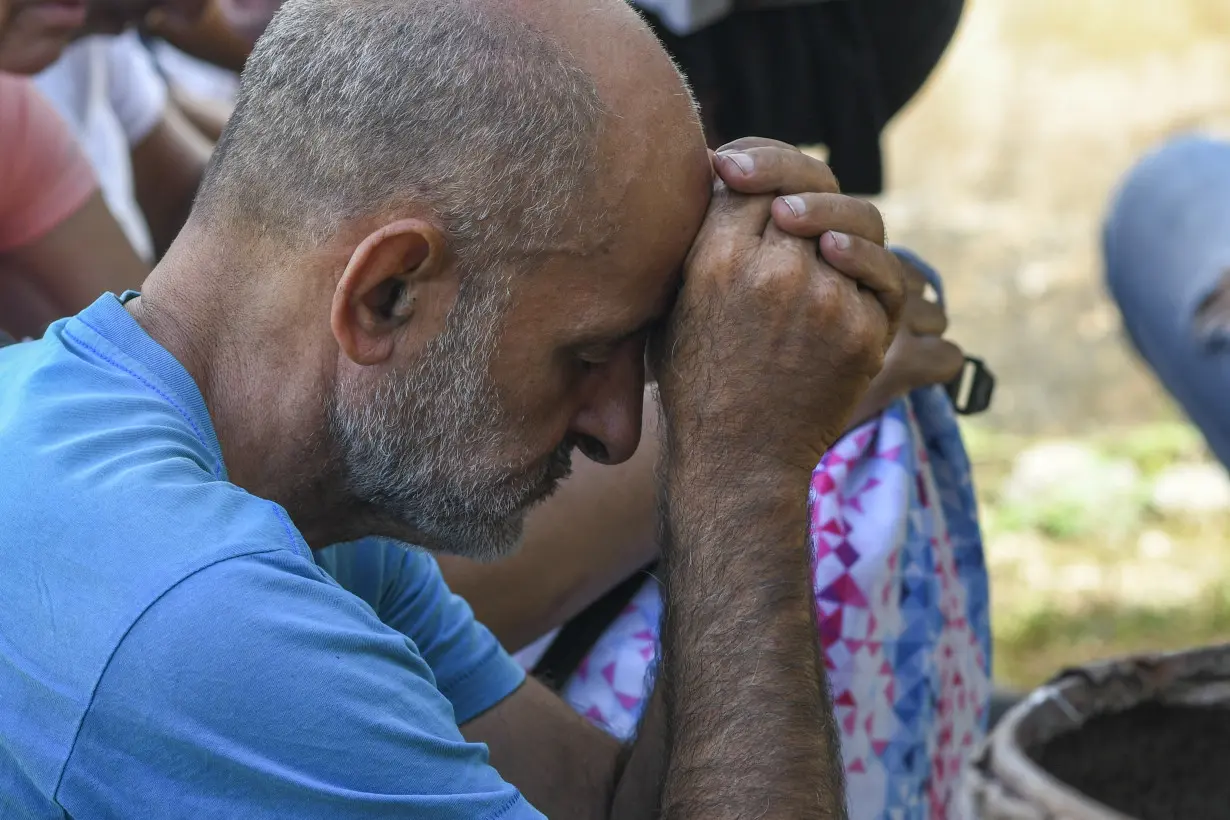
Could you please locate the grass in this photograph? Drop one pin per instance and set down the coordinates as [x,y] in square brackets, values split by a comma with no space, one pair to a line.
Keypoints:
[1004,164]
[1079,578]
[1035,645]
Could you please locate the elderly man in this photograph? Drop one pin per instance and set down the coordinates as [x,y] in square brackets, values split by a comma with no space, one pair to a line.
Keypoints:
[422,268]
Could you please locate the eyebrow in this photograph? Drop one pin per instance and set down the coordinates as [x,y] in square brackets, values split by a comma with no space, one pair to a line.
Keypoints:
[616,339]
[666,305]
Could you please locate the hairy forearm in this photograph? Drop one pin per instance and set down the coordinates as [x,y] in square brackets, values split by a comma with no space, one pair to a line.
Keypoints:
[745,726]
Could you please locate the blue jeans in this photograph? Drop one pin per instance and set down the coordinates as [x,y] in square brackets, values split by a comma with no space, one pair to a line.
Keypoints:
[1167,249]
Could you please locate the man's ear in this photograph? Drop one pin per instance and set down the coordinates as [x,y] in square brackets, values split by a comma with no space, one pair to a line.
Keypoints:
[384,285]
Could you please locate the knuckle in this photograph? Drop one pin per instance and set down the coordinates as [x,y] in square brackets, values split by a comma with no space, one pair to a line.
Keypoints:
[788,284]
[879,234]
[927,317]
[912,278]
[955,358]
[941,323]
[827,302]
[828,178]
[898,274]
[871,337]
[862,340]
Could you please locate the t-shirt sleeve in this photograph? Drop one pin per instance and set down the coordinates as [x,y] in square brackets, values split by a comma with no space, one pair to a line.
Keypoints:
[258,688]
[44,177]
[405,588]
[136,90]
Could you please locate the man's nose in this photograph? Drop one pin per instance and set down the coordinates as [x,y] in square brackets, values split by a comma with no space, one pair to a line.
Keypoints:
[607,428]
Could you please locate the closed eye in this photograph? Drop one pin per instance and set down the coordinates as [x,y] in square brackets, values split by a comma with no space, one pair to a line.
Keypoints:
[596,352]
[594,357]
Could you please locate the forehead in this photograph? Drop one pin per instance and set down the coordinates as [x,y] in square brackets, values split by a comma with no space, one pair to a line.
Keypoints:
[620,278]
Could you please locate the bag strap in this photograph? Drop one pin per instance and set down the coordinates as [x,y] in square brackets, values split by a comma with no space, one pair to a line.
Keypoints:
[577,637]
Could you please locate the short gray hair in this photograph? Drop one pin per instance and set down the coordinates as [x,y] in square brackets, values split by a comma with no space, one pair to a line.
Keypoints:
[348,107]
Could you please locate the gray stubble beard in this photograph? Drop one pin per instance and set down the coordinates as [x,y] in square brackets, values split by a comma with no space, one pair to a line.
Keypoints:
[427,447]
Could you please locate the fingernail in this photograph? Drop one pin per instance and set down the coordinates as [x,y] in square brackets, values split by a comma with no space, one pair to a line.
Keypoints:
[742,160]
[796,204]
[840,240]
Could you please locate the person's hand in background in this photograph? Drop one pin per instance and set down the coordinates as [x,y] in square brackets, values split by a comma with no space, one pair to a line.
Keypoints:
[115,16]
[33,33]
[919,355]
[223,34]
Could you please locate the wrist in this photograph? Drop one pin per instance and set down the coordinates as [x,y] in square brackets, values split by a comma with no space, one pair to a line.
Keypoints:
[736,471]
[720,501]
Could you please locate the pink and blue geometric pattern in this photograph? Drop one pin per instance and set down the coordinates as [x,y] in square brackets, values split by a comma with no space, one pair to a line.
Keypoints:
[901,603]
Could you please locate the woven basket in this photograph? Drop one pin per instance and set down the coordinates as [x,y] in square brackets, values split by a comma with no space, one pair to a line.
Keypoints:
[1003,782]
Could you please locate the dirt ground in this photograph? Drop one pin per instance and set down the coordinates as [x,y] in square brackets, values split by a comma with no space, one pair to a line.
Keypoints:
[999,173]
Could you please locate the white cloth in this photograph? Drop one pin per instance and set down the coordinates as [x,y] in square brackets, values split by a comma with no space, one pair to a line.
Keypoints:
[529,656]
[112,96]
[197,77]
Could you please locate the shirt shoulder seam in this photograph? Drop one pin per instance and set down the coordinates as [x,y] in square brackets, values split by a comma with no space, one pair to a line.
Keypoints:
[516,801]
[217,465]
[72,747]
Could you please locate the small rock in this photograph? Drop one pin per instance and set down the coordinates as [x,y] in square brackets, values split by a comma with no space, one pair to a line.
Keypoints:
[1154,545]
[1082,578]
[1066,489]
[1006,549]
[1192,489]
[1066,468]
[1034,279]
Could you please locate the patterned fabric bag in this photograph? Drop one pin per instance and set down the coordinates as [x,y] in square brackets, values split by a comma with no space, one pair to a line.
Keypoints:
[901,602]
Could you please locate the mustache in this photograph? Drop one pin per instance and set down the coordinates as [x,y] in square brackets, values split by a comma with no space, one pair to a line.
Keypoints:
[559,463]
[556,468]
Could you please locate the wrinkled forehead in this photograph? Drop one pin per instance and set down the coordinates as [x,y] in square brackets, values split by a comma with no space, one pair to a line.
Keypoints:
[651,181]
[622,277]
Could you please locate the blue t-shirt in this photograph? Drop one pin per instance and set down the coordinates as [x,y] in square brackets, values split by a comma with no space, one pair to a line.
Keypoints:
[169,646]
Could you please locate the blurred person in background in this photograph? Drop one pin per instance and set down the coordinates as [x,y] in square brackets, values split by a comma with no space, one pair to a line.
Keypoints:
[1166,247]
[148,147]
[60,247]
[147,155]
[808,72]
[201,60]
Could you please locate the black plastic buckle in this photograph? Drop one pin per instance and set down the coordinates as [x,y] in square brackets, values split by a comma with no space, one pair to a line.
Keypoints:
[972,389]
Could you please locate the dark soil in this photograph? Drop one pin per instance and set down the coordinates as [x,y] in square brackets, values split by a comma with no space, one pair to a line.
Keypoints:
[1152,762]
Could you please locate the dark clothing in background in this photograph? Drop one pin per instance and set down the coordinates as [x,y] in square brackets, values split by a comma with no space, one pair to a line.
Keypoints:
[831,72]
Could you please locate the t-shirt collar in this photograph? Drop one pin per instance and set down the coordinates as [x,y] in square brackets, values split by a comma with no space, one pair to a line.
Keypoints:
[109,319]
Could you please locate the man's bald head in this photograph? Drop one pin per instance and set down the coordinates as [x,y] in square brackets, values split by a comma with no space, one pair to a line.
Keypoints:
[393,165]
[469,110]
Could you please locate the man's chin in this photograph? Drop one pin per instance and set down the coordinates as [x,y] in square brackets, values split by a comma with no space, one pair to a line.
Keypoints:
[541,494]
[485,542]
